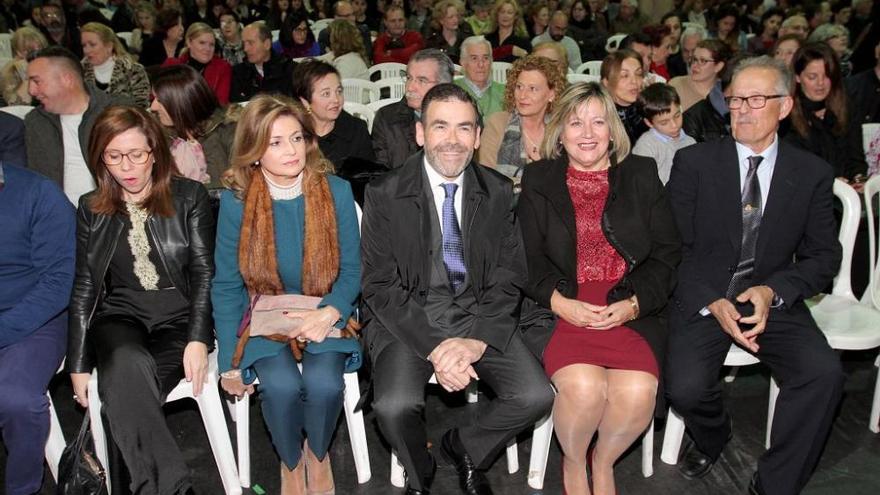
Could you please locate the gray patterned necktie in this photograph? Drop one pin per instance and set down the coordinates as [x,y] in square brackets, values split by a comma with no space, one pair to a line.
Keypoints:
[751,223]
[453,250]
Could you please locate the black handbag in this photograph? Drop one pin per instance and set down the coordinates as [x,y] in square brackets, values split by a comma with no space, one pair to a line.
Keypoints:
[79,472]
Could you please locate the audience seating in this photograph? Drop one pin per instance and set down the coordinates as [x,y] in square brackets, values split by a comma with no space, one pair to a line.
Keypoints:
[499,71]
[378,104]
[359,90]
[360,111]
[387,70]
[320,25]
[211,410]
[126,37]
[593,68]
[396,87]
[55,443]
[576,78]
[19,111]
[613,42]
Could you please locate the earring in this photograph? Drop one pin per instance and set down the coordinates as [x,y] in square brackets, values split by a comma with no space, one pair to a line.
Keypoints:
[256,164]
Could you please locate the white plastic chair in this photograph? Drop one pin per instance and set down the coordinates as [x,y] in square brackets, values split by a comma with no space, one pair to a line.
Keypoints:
[499,71]
[126,37]
[275,34]
[674,433]
[108,14]
[320,25]
[360,111]
[613,42]
[847,323]
[56,443]
[359,90]
[387,70]
[384,102]
[541,451]
[396,87]
[211,410]
[397,472]
[593,68]
[6,45]
[19,111]
[574,78]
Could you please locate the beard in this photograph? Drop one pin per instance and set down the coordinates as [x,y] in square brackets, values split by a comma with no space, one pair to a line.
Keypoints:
[448,168]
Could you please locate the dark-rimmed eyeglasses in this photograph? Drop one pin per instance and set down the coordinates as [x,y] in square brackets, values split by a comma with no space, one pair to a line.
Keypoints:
[701,61]
[135,157]
[755,102]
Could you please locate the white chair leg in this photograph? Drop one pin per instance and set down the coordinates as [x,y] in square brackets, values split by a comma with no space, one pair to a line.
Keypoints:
[648,451]
[540,451]
[875,406]
[356,431]
[211,409]
[771,410]
[97,426]
[242,438]
[397,478]
[512,457]
[672,438]
[56,443]
[731,375]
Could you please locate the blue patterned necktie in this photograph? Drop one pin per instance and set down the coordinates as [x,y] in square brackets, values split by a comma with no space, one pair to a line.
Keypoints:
[453,252]
[751,223]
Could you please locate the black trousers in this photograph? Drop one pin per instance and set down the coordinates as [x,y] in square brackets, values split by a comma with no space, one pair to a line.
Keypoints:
[137,368]
[807,370]
[523,395]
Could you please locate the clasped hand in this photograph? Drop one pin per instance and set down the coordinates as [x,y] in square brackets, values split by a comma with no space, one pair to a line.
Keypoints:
[760,296]
[316,325]
[586,315]
[453,362]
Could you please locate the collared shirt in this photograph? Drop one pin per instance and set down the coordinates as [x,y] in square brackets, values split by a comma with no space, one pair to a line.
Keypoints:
[765,170]
[436,181]
[478,92]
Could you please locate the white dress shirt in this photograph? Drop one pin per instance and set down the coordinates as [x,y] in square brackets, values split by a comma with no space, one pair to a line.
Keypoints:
[436,181]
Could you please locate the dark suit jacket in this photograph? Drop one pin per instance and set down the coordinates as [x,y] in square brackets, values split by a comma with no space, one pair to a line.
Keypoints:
[12,147]
[638,223]
[797,253]
[394,134]
[397,258]
[277,78]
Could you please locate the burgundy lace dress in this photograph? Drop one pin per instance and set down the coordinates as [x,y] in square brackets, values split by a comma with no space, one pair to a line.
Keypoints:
[599,268]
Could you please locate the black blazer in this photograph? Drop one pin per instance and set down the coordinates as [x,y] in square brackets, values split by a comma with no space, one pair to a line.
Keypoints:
[186,247]
[397,258]
[797,253]
[638,223]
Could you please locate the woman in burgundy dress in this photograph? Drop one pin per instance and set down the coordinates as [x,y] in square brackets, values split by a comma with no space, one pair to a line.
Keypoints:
[602,251]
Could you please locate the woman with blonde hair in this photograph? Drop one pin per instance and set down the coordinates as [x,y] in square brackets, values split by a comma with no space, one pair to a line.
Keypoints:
[287,225]
[347,52]
[145,18]
[507,32]
[200,55]
[110,68]
[512,138]
[448,29]
[602,248]
[13,76]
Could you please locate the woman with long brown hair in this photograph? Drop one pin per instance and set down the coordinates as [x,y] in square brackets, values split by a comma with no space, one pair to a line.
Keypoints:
[287,226]
[140,312]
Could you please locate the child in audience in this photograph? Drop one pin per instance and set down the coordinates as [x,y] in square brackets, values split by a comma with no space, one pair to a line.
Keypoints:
[661,107]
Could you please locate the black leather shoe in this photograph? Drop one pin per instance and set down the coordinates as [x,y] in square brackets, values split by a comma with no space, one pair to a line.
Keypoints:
[470,479]
[755,485]
[695,464]
[426,483]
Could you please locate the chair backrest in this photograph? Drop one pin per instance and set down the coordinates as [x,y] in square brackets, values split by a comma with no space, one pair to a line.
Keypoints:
[107,13]
[126,37]
[359,90]
[872,295]
[361,111]
[593,68]
[387,70]
[275,34]
[320,25]
[396,86]
[849,227]
[868,133]
[576,78]
[6,45]
[376,105]
[613,42]
[499,71]
[18,110]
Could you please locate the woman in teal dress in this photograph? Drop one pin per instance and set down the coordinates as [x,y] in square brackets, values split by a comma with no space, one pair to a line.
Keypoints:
[287,226]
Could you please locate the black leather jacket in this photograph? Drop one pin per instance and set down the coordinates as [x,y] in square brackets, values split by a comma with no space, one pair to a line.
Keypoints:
[186,247]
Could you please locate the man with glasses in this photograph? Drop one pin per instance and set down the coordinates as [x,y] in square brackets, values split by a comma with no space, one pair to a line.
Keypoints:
[758,238]
[396,44]
[345,11]
[264,71]
[394,128]
[57,132]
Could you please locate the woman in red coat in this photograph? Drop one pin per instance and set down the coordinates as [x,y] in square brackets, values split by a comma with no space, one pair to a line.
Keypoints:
[199,54]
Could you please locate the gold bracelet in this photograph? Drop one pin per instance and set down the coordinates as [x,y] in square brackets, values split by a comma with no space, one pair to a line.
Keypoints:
[635,307]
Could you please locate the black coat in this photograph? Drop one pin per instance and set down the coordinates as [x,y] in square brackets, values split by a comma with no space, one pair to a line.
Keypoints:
[638,223]
[703,123]
[864,88]
[797,253]
[277,78]
[394,134]
[185,242]
[397,259]
[844,152]
[349,138]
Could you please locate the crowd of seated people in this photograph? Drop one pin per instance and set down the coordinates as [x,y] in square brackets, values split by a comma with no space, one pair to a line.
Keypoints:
[597,282]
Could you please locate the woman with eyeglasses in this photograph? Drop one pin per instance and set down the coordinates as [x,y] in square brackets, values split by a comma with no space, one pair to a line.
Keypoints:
[710,58]
[296,39]
[140,312]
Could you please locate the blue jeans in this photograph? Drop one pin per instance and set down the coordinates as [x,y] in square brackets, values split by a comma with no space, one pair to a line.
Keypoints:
[25,370]
[301,404]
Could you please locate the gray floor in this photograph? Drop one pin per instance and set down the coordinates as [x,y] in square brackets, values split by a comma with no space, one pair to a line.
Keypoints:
[850,465]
